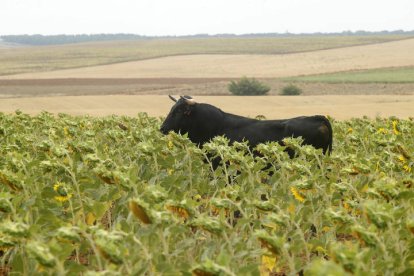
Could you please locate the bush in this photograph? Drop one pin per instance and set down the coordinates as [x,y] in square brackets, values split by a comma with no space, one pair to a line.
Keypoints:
[291,90]
[246,86]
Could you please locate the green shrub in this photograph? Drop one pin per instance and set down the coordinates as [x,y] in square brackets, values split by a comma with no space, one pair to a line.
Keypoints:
[246,86]
[291,90]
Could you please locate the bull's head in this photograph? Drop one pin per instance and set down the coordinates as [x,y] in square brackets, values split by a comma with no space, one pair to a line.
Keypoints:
[179,118]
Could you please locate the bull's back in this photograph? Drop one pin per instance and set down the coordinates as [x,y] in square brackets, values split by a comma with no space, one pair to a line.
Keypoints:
[315,130]
[257,132]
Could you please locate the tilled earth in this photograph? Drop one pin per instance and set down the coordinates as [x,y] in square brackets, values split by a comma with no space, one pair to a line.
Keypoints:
[180,86]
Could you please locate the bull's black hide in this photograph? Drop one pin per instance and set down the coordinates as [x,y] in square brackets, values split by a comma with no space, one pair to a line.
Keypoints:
[202,122]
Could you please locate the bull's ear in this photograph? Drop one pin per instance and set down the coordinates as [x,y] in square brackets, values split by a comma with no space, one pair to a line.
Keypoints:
[172,98]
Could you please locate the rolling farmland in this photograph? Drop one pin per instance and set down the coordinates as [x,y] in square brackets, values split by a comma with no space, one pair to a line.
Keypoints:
[49,58]
[204,74]
[390,54]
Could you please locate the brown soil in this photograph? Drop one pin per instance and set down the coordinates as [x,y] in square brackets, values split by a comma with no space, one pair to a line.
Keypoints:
[106,81]
[178,86]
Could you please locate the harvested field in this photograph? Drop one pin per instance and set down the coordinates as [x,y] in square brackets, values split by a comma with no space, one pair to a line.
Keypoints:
[339,107]
[390,54]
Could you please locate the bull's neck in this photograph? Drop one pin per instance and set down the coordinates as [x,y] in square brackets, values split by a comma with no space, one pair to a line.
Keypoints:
[217,123]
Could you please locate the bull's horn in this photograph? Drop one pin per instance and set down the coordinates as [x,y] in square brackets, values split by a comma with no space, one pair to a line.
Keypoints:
[188,100]
[172,98]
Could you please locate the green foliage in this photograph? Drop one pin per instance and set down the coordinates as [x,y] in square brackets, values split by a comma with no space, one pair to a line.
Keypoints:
[84,195]
[291,90]
[246,86]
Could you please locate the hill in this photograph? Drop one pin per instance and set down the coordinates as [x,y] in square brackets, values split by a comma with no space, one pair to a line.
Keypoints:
[50,58]
[380,55]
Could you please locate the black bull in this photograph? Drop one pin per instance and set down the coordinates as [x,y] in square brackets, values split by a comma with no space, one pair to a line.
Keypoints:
[202,122]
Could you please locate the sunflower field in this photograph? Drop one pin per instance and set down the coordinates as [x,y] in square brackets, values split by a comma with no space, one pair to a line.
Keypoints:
[113,196]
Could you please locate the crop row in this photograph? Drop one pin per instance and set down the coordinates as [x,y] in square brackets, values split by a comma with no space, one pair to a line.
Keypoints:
[108,196]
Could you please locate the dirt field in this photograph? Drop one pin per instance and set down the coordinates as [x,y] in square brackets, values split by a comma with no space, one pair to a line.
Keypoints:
[182,86]
[79,87]
[273,107]
[390,54]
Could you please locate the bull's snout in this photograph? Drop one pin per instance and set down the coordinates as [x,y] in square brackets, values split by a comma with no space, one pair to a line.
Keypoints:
[163,130]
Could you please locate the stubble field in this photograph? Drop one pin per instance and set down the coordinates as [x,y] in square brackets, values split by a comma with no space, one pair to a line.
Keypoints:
[339,107]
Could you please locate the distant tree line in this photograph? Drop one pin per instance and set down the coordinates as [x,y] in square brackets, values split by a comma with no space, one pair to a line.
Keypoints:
[66,39]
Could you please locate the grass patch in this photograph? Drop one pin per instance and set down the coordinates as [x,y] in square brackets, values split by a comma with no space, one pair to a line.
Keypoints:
[385,75]
[48,58]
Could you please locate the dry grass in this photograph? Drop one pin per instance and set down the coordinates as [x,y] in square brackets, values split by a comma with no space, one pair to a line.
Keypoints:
[273,107]
[391,54]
